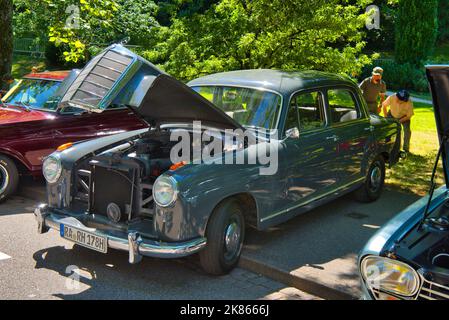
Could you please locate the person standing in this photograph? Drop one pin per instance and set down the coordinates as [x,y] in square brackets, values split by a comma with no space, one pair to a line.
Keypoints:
[401,108]
[372,88]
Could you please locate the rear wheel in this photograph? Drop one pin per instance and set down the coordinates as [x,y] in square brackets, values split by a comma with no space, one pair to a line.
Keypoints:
[374,182]
[9,177]
[225,234]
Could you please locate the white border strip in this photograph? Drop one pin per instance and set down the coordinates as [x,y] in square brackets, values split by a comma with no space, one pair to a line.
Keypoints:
[4,256]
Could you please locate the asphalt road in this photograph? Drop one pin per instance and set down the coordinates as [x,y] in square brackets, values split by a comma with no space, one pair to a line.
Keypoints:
[315,252]
[36,266]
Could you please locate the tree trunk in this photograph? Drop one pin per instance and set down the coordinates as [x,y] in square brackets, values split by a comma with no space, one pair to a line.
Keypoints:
[6,39]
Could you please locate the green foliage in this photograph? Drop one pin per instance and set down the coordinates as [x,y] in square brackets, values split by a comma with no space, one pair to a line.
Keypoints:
[242,34]
[135,19]
[80,28]
[443,20]
[383,38]
[416,30]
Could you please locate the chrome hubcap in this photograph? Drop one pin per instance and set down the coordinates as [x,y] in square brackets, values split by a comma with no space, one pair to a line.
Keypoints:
[4,179]
[232,238]
[376,177]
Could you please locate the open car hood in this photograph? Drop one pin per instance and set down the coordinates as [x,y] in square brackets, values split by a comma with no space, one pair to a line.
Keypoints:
[438,77]
[118,77]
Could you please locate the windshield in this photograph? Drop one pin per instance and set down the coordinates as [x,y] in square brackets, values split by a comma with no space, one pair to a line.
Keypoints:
[32,93]
[249,107]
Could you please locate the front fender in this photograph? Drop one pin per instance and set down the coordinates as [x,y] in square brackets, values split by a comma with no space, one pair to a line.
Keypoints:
[201,189]
[13,154]
[395,229]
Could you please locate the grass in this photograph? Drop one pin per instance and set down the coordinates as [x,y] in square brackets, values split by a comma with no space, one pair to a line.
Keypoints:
[22,65]
[413,174]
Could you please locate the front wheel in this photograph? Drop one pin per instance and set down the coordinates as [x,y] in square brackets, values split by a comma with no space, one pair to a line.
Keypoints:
[225,234]
[9,177]
[372,188]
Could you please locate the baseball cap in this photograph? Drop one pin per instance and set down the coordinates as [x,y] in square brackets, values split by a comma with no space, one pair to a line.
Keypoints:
[403,95]
[378,71]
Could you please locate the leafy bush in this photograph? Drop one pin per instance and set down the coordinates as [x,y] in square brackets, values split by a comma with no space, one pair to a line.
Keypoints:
[443,21]
[399,76]
[416,30]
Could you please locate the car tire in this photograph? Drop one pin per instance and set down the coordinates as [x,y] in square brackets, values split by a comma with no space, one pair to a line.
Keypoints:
[9,178]
[225,234]
[372,188]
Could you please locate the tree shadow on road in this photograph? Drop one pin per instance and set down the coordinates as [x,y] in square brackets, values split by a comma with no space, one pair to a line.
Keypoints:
[323,244]
[110,276]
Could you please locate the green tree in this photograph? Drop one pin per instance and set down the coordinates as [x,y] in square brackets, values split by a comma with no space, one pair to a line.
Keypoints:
[6,39]
[416,30]
[443,20]
[80,27]
[240,34]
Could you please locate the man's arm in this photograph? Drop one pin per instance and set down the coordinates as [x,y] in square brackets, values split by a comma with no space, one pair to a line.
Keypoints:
[362,85]
[382,96]
[385,104]
[383,92]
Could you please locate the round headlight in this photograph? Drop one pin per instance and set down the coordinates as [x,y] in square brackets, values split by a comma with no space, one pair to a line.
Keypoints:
[52,169]
[389,276]
[165,191]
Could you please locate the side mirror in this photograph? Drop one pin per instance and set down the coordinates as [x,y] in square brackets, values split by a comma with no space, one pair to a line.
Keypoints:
[292,133]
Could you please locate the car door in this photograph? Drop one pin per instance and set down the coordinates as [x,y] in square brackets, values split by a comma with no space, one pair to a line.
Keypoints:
[309,156]
[353,130]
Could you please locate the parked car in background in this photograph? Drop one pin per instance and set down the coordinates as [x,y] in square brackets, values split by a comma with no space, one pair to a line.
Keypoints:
[408,258]
[327,143]
[32,125]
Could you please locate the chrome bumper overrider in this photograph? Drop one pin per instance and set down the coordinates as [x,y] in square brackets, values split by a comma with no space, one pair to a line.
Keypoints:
[133,243]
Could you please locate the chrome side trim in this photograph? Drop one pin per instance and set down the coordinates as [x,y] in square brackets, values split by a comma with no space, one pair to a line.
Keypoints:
[312,199]
[132,242]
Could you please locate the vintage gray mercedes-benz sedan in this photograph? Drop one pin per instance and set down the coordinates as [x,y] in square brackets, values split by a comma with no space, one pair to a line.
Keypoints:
[126,192]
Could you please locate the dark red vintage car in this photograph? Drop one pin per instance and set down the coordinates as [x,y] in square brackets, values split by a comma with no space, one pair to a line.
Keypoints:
[32,125]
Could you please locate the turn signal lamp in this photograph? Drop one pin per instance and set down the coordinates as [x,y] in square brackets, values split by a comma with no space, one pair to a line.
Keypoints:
[64,146]
[178,165]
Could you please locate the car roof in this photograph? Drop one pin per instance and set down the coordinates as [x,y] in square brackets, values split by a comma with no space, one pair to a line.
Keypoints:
[48,75]
[283,82]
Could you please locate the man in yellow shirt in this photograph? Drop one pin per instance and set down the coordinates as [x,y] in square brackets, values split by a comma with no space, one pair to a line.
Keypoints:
[401,108]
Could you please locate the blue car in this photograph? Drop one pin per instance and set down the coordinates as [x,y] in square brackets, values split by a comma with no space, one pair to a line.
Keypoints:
[408,258]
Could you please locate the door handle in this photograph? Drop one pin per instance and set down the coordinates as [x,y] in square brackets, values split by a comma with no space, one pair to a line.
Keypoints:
[370,128]
[334,137]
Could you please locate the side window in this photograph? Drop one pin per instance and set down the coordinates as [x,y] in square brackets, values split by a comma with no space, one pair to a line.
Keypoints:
[308,108]
[343,106]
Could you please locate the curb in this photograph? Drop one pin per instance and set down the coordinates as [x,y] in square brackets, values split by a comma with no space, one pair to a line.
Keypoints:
[287,278]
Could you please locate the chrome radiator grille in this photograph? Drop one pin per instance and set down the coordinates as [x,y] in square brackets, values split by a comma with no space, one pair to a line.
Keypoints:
[433,291]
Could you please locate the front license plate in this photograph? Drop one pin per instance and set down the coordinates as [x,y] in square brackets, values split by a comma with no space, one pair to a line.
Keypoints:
[85,239]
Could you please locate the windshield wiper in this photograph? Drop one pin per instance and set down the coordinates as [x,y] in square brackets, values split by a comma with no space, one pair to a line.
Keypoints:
[23,105]
[432,182]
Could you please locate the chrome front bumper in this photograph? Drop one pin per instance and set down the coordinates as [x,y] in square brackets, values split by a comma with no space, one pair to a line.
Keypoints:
[133,243]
